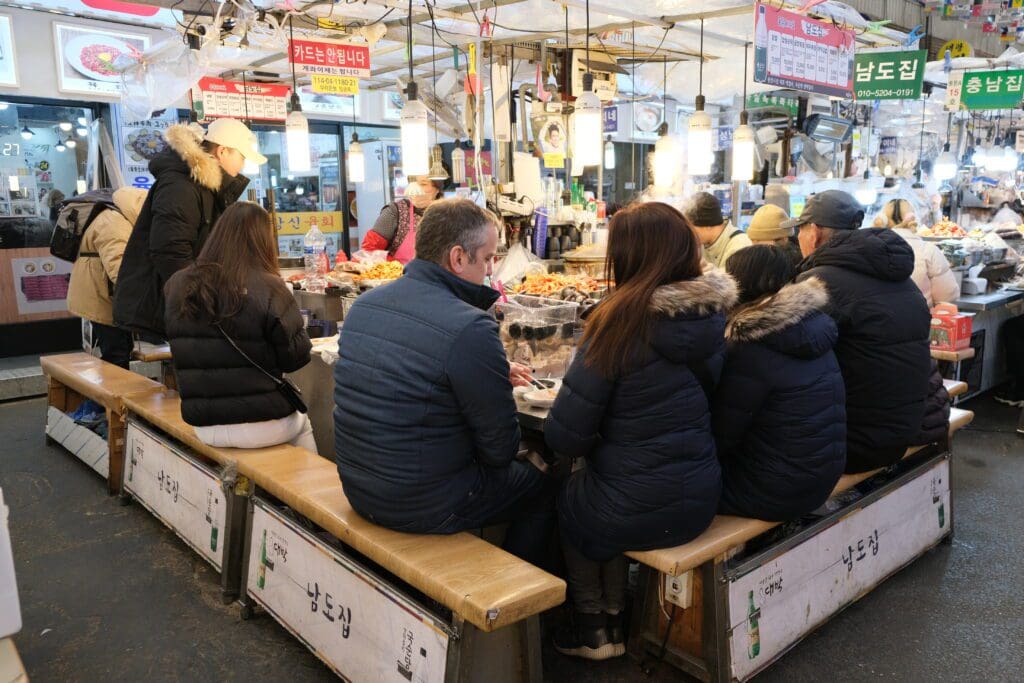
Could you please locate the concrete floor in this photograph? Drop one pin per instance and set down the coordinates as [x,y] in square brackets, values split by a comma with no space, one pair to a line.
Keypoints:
[108,593]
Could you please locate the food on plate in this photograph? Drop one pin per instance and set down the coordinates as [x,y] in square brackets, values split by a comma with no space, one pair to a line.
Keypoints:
[145,144]
[389,270]
[553,284]
[297,277]
[99,57]
[944,228]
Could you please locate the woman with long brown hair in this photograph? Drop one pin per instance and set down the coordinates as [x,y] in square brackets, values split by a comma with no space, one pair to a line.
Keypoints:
[234,330]
[634,406]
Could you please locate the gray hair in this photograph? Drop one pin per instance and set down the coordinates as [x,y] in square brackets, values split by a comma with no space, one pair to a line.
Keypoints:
[453,222]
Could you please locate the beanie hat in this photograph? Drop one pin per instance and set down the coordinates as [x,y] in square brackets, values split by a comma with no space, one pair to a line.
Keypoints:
[704,211]
[766,225]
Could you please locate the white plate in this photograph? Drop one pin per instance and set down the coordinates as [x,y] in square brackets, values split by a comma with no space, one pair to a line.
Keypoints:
[73,54]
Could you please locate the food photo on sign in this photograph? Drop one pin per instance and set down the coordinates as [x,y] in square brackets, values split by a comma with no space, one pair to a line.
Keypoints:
[90,59]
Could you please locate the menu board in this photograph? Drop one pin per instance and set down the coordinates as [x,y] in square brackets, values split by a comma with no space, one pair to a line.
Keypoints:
[794,51]
[214,98]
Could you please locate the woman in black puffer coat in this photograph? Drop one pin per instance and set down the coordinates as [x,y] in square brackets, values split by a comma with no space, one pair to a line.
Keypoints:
[779,411]
[234,289]
[634,406]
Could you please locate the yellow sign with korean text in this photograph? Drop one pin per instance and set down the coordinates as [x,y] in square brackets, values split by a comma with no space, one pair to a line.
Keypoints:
[298,223]
[554,160]
[335,85]
[956,48]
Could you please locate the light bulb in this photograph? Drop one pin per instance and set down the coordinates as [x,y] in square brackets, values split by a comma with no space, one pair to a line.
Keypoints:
[82,121]
[296,132]
[699,143]
[609,154]
[587,125]
[887,172]
[71,143]
[743,153]
[458,164]
[26,133]
[945,166]
[666,162]
[300,190]
[415,148]
[82,131]
[80,186]
[355,162]
[65,126]
[60,146]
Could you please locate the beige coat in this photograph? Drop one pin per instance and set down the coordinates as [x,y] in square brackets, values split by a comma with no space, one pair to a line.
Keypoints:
[91,276]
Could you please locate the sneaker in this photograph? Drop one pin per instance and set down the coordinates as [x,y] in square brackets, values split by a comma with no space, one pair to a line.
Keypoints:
[1010,397]
[617,633]
[586,637]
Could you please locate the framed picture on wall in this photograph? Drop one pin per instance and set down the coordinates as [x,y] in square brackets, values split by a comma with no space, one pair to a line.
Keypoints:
[8,58]
[86,58]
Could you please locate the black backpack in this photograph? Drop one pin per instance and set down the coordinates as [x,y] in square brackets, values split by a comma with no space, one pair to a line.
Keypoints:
[73,218]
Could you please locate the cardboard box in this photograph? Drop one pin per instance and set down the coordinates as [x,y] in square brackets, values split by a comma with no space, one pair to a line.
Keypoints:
[951,329]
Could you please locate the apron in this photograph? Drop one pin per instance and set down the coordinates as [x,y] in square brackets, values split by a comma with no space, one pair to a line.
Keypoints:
[406,251]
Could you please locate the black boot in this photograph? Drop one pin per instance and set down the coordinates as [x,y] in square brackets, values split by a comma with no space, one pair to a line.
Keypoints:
[617,633]
[585,637]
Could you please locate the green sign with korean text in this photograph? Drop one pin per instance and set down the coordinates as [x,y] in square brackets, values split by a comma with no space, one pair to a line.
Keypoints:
[768,100]
[992,89]
[889,75]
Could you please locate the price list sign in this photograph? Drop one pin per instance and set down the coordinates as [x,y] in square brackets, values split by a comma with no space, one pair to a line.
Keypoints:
[794,51]
[214,98]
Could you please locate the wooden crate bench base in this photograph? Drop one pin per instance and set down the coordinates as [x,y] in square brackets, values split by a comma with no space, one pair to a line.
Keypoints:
[747,611]
[365,626]
[203,504]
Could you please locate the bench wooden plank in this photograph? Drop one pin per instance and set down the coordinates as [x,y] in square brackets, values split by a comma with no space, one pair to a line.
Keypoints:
[11,668]
[954,388]
[157,353]
[487,587]
[727,531]
[92,377]
[953,356]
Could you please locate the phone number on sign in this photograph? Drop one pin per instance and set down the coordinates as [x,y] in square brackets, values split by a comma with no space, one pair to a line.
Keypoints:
[877,93]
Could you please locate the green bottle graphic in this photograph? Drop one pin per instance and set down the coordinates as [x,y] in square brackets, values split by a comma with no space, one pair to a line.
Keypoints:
[261,573]
[753,632]
[942,515]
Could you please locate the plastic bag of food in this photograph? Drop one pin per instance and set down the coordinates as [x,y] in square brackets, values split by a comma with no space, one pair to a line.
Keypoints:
[517,264]
[370,258]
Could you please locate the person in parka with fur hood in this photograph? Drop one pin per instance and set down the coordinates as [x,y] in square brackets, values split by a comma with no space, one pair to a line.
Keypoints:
[197,177]
[779,413]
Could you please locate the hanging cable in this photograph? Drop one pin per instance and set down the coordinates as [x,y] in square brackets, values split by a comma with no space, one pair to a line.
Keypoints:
[409,39]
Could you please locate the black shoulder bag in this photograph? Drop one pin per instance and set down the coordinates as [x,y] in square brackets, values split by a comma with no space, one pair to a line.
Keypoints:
[291,393]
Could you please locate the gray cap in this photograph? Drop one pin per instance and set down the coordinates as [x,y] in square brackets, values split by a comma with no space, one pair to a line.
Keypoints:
[830,209]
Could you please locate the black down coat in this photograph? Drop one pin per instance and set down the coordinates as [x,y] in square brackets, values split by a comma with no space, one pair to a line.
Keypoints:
[651,479]
[779,411]
[190,193]
[216,384]
[883,350]
[935,427]
[423,400]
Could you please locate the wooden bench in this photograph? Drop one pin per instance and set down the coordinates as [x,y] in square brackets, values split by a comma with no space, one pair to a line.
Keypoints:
[494,598]
[158,354]
[704,642]
[73,377]
[11,668]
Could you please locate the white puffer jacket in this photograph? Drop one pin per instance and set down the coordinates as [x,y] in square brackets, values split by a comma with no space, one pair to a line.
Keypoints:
[932,274]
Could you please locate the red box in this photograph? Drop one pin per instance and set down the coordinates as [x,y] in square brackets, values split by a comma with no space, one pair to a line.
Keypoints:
[951,329]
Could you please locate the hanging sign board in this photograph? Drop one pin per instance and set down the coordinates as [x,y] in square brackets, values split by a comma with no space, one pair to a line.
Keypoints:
[953,87]
[335,85]
[330,57]
[722,139]
[889,145]
[889,75]
[955,48]
[793,51]
[214,98]
[611,119]
[992,89]
[767,100]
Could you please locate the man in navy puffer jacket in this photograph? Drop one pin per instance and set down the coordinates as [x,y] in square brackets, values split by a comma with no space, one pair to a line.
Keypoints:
[426,430]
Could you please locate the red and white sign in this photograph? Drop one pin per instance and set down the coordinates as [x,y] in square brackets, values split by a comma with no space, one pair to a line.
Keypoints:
[215,98]
[330,57]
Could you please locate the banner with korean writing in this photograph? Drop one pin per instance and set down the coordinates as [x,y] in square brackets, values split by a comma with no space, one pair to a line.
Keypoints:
[794,51]
[889,75]
[214,98]
[992,89]
[773,101]
[330,57]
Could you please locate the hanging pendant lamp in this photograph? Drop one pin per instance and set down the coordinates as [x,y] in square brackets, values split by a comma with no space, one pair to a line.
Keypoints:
[587,124]
[355,161]
[414,122]
[945,166]
[743,137]
[666,161]
[698,140]
[296,127]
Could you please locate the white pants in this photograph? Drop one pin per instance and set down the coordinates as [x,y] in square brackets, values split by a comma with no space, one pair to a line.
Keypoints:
[294,429]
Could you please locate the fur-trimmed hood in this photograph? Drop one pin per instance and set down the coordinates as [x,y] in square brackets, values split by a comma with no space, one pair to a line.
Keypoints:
[792,321]
[714,291]
[185,140]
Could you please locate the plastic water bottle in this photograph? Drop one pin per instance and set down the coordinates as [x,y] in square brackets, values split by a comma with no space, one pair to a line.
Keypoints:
[313,246]
[551,196]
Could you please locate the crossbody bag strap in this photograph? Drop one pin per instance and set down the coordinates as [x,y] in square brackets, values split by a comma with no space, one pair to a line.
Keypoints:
[243,354]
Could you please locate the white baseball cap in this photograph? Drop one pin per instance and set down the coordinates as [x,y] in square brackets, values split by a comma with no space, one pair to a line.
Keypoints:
[233,133]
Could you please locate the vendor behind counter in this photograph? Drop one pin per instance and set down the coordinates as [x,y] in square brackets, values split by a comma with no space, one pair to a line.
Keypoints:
[395,229]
